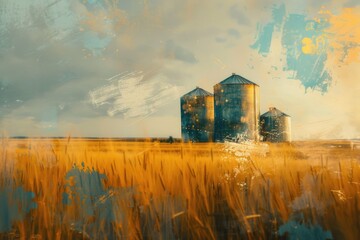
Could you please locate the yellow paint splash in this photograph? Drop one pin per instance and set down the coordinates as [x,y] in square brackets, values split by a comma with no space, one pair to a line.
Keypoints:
[341,40]
[310,46]
[345,28]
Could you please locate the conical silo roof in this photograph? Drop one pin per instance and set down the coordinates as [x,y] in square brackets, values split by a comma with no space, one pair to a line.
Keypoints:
[197,92]
[236,79]
[274,112]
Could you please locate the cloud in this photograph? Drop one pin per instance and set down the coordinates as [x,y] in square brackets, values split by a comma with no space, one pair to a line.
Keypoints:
[220,39]
[42,71]
[238,15]
[175,51]
[351,3]
[233,32]
[52,55]
[127,94]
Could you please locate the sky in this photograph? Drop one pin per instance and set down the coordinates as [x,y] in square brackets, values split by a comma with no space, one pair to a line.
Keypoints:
[117,68]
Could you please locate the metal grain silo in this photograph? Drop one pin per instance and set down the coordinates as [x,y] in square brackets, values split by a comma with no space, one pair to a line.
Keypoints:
[197,116]
[275,126]
[237,109]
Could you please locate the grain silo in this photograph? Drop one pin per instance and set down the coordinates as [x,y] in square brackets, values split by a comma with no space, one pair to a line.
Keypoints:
[197,116]
[275,126]
[237,109]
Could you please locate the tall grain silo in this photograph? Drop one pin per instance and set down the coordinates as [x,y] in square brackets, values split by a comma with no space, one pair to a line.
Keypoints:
[237,109]
[197,116]
[275,126]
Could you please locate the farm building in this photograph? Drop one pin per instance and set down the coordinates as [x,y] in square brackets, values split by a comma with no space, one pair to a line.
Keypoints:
[197,116]
[275,126]
[233,112]
[237,109]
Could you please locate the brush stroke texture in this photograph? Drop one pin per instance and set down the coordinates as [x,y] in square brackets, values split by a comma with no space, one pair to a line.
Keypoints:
[128,95]
[15,203]
[302,61]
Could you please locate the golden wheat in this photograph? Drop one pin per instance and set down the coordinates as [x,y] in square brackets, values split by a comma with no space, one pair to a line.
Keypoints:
[92,189]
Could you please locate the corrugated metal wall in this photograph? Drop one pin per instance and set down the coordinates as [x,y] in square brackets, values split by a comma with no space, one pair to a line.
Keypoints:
[237,111]
[197,118]
[275,127]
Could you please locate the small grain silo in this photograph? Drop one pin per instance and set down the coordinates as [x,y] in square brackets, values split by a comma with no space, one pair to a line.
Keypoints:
[275,126]
[237,109]
[197,116]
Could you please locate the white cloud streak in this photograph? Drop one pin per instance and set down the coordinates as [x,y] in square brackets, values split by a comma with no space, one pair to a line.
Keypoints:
[128,95]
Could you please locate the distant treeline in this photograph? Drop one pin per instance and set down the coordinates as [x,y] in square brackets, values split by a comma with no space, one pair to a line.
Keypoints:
[168,139]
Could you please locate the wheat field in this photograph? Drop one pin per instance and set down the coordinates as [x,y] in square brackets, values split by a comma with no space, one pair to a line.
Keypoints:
[107,189]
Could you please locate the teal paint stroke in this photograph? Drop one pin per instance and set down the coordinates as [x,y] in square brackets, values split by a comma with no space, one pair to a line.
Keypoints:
[93,5]
[310,69]
[85,189]
[88,190]
[265,33]
[15,203]
[264,38]
[295,228]
[95,43]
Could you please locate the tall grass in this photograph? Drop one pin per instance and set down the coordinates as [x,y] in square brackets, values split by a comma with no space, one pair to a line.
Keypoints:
[118,190]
